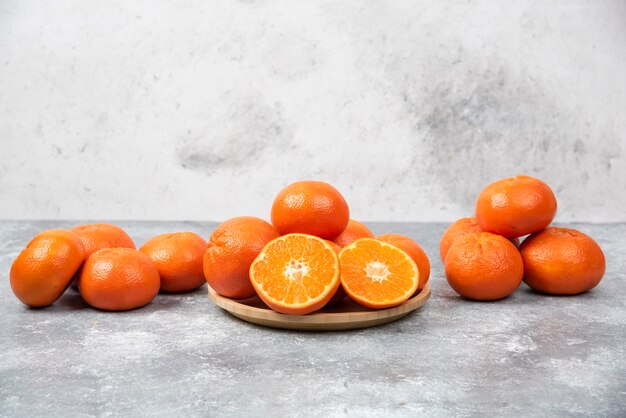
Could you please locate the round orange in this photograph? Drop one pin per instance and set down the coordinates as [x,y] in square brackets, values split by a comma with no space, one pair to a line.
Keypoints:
[45,268]
[413,249]
[296,274]
[483,266]
[353,231]
[562,261]
[376,274]
[233,246]
[459,228]
[516,206]
[178,257]
[118,279]
[98,236]
[310,207]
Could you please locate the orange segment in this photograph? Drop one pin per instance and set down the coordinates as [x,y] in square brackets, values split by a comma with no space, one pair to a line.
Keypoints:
[296,274]
[376,274]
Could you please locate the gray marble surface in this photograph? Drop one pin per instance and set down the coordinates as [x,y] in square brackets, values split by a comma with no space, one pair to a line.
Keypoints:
[527,355]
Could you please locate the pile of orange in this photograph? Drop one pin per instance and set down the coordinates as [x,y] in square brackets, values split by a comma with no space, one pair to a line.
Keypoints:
[483,257]
[103,262]
[312,255]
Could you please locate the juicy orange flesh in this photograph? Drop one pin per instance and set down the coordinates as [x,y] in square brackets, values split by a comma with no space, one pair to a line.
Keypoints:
[295,269]
[377,272]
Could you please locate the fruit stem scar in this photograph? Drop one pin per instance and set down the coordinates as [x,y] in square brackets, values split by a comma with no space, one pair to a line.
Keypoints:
[377,271]
[296,270]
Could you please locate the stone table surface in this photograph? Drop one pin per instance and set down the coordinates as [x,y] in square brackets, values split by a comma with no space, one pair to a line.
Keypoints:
[526,355]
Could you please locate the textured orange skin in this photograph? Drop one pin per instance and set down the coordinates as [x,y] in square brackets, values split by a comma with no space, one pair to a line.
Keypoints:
[233,246]
[340,294]
[179,259]
[300,310]
[118,279]
[413,249]
[310,207]
[516,206]
[45,268]
[484,266]
[459,228]
[353,231]
[98,236]
[456,230]
[562,261]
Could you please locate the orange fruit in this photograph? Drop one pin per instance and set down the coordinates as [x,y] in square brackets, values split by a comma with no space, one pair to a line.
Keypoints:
[376,274]
[353,231]
[296,274]
[233,246]
[340,294]
[98,236]
[413,249]
[310,207]
[178,257]
[118,279]
[515,206]
[459,228]
[45,268]
[456,230]
[483,266]
[562,261]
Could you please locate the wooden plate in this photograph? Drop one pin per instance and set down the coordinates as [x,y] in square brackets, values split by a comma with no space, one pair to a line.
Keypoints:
[344,315]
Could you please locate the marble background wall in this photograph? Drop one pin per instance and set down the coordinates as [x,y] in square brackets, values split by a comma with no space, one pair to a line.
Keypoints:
[205,109]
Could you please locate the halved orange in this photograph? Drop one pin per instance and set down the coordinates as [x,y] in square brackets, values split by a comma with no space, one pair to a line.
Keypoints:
[376,274]
[296,274]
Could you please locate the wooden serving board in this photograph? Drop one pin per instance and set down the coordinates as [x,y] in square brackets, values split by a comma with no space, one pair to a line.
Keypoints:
[341,316]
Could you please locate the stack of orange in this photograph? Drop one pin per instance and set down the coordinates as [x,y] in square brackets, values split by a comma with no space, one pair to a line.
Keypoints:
[312,255]
[109,272]
[481,256]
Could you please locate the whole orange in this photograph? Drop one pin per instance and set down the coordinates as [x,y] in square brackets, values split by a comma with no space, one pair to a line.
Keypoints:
[233,246]
[310,207]
[45,268]
[483,266]
[515,206]
[414,250]
[562,261]
[456,230]
[178,257]
[118,279]
[459,228]
[353,231]
[98,236]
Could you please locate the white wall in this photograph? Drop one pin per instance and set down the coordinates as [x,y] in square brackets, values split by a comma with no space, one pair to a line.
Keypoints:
[204,110]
